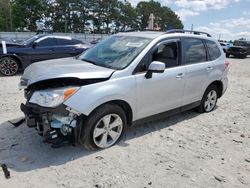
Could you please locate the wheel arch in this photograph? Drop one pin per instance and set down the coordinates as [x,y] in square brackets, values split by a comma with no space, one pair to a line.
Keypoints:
[124,105]
[219,85]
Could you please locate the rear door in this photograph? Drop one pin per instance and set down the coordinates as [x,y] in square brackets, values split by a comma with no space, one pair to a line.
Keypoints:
[67,47]
[195,59]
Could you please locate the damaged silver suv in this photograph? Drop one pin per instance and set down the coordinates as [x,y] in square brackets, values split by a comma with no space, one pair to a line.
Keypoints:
[123,80]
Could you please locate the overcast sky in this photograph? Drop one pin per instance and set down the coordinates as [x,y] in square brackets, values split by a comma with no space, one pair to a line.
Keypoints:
[229,19]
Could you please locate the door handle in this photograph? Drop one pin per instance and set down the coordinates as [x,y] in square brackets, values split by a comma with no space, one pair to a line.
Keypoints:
[180,76]
[51,50]
[209,69]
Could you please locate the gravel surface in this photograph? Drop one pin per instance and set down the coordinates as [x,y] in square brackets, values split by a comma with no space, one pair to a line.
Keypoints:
[185,150]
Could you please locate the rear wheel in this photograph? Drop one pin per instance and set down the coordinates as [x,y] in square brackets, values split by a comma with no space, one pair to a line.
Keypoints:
[103,128]
[8,66]
[209,100]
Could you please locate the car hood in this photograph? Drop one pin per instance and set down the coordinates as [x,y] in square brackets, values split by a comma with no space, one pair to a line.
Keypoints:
[64,68]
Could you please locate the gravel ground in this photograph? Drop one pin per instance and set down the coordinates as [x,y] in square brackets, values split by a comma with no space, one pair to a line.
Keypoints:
[185,150]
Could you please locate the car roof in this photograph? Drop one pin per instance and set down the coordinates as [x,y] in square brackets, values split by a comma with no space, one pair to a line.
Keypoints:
[155,34]
[41,37]
[144,34]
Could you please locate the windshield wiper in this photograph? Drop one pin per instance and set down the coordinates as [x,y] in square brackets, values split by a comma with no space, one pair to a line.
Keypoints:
[89,61]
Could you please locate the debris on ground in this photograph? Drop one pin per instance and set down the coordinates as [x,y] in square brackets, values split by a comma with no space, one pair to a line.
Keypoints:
[238,141]
[5,171]
[220,179]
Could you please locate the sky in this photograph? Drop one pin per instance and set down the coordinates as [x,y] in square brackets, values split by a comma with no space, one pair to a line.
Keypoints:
[223,19]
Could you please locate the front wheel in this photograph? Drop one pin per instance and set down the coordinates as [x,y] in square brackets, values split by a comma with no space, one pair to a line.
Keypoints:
[8,66]
[209,100]
[103,128]
[227,55]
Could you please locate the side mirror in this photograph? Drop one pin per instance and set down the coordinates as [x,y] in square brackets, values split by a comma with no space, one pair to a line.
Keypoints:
[155,67]
[35,44]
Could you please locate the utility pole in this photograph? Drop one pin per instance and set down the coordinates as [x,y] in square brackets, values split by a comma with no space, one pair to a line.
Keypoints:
[192,27]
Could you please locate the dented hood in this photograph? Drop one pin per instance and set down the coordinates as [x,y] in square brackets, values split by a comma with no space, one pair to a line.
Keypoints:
[64,68]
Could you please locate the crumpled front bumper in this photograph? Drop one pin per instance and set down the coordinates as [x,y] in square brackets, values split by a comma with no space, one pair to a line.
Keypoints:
[52,123]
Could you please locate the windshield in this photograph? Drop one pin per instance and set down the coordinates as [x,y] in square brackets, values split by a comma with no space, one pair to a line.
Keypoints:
[115,52]
[30,40]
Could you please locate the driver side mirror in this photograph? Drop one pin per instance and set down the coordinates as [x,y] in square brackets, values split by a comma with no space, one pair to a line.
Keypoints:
[35,44]
[155,67]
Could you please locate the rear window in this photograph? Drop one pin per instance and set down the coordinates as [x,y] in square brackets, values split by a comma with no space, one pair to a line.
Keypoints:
[194,51]
[213,50]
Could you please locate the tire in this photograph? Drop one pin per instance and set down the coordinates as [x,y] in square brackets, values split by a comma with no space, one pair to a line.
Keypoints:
[8,66]
[96,129]
[227,55]
[209,100]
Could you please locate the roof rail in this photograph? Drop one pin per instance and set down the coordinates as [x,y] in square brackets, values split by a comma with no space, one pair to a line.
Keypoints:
[188,31]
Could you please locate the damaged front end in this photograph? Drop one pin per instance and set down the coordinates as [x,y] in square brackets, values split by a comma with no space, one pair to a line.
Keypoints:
[57,125]
[45,109]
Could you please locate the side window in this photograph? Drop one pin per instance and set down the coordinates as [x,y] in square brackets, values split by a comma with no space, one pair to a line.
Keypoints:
[194,51]
[167,53]
[61,41]
[213,50]
[47,42]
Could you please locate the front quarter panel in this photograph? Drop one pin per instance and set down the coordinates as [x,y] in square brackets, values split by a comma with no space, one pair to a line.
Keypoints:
[89,97]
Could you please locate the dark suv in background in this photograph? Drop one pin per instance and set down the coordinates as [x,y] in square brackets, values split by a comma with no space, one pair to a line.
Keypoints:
[239,49]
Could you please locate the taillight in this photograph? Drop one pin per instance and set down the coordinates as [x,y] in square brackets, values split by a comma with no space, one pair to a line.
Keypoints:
[226,63]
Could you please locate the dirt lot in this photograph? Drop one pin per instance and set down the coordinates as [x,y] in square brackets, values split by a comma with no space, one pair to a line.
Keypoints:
[186,150]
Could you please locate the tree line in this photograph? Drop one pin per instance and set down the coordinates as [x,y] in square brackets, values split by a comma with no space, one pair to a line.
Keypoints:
[103,16]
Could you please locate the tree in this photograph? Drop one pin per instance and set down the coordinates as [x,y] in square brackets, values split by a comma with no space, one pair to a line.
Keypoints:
[127,17]
[164,16]
[5,15]
[27,12]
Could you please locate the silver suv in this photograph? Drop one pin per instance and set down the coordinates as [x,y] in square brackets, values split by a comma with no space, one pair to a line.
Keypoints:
[123,80]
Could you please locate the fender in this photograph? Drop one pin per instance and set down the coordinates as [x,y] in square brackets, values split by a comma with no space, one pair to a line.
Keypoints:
[89,97]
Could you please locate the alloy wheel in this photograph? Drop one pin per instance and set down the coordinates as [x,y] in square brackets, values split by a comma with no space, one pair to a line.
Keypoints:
[210,101]
[8,66]
[108,130]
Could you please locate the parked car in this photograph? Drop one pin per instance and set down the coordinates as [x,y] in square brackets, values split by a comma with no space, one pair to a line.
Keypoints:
[123,80]
[240,49]
[17,56]
[225,46]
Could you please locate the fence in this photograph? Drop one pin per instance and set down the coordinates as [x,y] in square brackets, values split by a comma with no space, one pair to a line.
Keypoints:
[19,36]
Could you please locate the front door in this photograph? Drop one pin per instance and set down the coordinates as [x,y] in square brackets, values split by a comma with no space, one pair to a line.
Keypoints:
[164,91]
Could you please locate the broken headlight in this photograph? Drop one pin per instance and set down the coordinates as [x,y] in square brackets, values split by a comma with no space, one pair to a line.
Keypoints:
[52,97]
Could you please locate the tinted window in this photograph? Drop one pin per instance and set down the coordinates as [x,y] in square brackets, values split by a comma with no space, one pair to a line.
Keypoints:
[47,42]
[213,50]
[194,51]
[67,41]
[167,53]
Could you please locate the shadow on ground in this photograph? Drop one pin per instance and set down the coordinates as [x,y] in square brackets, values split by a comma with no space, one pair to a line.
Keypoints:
[23,150]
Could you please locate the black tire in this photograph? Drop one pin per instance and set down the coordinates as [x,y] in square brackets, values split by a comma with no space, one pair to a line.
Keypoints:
[86,137]
[201,108]
[227,55]
[8,66]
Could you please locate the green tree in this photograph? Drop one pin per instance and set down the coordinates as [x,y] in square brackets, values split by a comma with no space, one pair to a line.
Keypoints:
[164,16]
[5,15]
[27,12]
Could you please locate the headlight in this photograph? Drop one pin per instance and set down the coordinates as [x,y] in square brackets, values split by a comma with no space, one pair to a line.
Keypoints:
[52,97]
